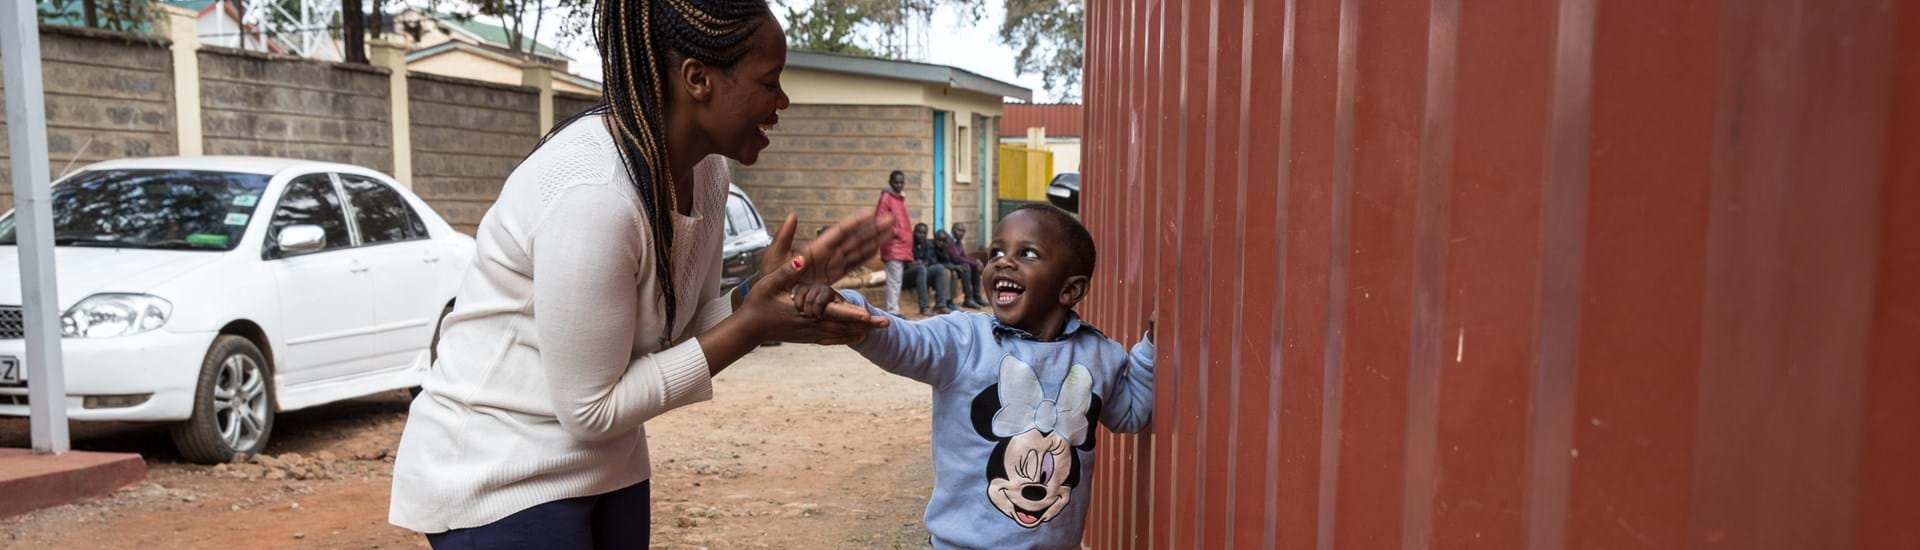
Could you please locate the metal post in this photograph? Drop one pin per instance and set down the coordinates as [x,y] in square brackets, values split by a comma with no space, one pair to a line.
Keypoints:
[33,218]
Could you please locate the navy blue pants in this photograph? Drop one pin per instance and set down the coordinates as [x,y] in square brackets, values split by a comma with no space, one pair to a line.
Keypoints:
[613,520]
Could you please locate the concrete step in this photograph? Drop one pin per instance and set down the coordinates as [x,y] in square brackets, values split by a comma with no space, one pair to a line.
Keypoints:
[31,482]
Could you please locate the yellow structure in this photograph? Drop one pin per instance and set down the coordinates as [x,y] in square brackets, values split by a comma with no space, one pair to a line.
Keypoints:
[1024,173]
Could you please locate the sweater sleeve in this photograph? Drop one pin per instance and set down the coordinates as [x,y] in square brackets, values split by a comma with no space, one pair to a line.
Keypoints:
[1129,407]
[586,306]
[929,351]
[714,307]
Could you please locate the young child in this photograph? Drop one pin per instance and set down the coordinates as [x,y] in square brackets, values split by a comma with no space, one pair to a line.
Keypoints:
[1015,393]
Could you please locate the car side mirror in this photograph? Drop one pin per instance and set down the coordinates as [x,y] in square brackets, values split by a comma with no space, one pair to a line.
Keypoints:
[300,239]
[1066,198]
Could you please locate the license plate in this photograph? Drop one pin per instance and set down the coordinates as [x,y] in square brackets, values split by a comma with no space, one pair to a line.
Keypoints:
[11,372]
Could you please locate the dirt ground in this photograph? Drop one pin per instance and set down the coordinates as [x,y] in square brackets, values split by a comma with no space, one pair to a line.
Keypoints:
[802,447]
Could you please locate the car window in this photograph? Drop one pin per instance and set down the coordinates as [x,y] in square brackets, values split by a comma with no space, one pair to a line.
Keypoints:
[151,208]
[739,215]
[311,200]
[381,213]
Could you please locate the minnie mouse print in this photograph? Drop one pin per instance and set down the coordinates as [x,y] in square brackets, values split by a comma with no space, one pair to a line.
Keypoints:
[1035,466]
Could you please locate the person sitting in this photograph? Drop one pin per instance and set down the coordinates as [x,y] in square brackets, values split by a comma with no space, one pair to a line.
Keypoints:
[926,270]
[966,270]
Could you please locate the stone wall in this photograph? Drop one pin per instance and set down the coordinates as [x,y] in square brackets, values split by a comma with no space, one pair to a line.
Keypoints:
[566,105]
[467,137]
[108,96]
[281,106]
[830,161]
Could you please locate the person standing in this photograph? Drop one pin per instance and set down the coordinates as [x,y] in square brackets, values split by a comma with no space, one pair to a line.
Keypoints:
[897,252]
[594,303]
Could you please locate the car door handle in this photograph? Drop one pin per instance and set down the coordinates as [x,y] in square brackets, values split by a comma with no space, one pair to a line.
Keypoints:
[358,268]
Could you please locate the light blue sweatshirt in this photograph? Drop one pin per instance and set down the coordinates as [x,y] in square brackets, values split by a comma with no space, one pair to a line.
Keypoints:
[1013,433]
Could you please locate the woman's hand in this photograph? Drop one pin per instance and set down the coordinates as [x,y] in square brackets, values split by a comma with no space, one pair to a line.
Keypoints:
[771,306]
[832,255]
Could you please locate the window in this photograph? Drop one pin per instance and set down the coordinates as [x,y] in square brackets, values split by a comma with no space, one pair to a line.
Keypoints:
[381,213]
[740,216]
[310,200]
[965,152]
[156,209]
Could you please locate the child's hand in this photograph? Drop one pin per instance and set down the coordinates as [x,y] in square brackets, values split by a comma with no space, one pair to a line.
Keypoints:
[1150,316]
[813,299]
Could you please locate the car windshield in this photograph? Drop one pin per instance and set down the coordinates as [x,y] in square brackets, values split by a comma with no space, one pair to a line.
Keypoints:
[162,209]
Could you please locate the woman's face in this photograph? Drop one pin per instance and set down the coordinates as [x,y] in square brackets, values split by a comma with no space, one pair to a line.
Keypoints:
[746,99]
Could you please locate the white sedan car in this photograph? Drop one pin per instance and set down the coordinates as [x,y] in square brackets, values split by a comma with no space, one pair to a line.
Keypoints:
[213,292]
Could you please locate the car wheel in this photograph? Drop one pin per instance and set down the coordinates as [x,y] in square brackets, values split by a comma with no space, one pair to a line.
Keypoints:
[433,349]
[232,405]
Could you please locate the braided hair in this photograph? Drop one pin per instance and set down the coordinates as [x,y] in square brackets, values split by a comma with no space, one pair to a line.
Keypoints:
[641,42]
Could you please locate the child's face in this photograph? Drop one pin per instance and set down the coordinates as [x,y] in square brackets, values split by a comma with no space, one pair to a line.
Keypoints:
[1028,277]
[920,232]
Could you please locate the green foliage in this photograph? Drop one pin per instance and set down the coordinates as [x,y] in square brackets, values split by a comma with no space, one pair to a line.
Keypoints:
[831,26]
[1048,34]
[525,19]
[113,15]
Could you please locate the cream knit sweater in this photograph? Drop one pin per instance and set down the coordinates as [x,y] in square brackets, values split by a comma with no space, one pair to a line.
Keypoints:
[543,382]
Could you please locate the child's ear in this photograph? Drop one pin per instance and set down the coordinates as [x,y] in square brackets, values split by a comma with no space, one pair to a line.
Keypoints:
[1075,290]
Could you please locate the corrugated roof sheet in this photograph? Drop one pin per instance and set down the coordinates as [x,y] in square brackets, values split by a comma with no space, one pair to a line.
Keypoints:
[1060,119]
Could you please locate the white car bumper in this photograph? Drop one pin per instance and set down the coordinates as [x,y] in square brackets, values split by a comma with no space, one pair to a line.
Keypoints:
[163,366]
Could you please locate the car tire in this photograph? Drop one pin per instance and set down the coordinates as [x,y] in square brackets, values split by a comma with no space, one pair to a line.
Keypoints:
[433,348]
[233,405]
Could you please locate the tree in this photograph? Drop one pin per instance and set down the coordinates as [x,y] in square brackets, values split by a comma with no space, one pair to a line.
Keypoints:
[1048,34]
[114,15]
[571,16]
[354,31]
[830,25]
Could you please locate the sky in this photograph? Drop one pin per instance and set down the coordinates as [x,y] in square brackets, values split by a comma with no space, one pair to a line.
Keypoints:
[975,47]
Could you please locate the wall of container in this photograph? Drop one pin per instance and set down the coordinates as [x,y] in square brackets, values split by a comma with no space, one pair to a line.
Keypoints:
[1511,273]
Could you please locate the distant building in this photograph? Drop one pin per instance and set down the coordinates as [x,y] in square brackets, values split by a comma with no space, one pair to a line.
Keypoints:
[450,45]
[220,25]
[1062,122]
[855,119]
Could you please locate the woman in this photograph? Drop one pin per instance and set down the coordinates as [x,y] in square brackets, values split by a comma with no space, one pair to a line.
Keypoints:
[594,300]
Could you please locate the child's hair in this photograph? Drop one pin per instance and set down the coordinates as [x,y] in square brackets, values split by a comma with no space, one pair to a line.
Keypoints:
[898,174]
[1079,240]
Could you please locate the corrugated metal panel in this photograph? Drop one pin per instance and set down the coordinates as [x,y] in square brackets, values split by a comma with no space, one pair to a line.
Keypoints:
[1511,274]
[1060,119]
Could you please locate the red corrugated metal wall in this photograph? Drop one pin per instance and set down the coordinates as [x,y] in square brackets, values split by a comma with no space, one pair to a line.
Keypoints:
[1511,273]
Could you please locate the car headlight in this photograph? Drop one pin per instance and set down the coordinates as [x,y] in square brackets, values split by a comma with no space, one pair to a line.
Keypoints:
[108,315]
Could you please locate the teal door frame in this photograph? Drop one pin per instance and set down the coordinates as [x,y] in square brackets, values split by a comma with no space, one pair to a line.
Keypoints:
[939,169]
[983,177]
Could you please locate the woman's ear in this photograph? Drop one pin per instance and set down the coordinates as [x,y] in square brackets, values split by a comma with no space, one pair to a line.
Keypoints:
[696,78]
[1075,290]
